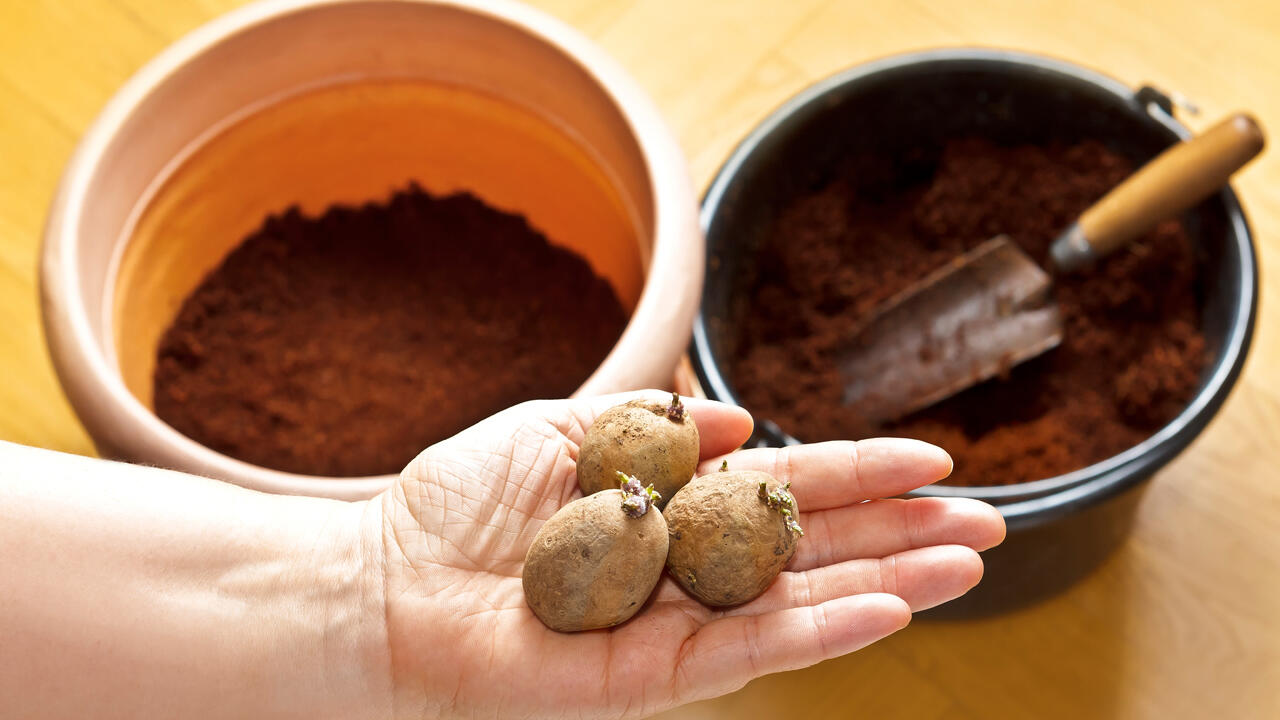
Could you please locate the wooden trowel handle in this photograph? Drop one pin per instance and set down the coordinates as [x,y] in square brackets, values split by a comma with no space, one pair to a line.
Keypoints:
[1175,180]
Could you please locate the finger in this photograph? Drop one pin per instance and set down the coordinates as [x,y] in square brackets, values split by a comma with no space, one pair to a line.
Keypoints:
[721,427]
[831,474]
[729,652]
[923,577]
[882,527]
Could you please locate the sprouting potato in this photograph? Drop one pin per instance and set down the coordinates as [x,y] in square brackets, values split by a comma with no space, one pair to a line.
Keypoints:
[656,442]
[595,562]
[731,533]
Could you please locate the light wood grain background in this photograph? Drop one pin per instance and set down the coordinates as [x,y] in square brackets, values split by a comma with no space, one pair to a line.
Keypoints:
[1184,622]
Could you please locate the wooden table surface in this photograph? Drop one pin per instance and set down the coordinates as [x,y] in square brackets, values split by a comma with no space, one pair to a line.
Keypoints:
[1184,622]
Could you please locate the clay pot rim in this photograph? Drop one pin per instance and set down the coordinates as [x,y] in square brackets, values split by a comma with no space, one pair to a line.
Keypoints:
[1035,501]
[106,407]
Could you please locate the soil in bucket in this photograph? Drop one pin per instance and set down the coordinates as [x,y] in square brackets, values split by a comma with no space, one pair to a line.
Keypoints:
[1130,359]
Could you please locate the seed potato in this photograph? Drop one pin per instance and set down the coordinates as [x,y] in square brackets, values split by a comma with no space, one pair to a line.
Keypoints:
[653,441]
[731,533]
[595,562]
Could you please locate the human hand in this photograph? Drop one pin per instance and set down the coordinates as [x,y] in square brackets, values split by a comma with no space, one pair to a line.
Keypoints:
[456,526]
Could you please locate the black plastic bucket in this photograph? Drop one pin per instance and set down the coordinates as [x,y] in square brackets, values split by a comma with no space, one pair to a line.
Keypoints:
[1062,527]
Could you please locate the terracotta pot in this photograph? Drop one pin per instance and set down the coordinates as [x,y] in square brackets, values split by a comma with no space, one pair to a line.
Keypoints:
[112,278]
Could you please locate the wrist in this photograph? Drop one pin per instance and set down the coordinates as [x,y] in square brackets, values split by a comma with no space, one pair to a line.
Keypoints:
[334,614]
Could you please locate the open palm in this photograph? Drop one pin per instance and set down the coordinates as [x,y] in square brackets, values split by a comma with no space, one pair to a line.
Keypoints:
[458,523]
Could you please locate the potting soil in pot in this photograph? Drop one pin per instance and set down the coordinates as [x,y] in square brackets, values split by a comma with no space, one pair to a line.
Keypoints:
[1132,349]
[345,344]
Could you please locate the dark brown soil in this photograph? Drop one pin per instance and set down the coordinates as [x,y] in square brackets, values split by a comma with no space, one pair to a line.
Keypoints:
[1132,351]
[345,344]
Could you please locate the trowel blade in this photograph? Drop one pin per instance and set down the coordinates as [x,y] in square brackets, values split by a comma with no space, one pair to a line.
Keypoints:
[983,313]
